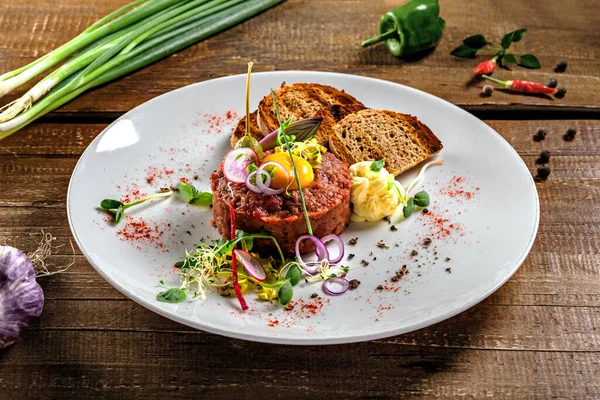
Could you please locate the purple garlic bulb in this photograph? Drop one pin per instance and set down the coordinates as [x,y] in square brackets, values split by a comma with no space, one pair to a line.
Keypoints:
[21,298]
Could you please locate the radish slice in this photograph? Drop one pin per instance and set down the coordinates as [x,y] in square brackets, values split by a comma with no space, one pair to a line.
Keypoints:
[251,264]
[236,162]
[336,286]
[340,245]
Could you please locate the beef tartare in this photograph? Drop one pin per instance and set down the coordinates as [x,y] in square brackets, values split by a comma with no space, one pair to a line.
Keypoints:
[327,202]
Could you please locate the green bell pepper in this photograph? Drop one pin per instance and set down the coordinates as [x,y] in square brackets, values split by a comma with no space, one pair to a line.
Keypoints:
[412,28]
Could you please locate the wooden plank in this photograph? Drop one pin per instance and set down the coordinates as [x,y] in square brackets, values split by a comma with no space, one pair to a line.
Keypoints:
[122,364]
[318,35]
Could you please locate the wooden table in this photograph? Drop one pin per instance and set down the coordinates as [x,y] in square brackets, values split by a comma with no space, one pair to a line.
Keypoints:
[537,337]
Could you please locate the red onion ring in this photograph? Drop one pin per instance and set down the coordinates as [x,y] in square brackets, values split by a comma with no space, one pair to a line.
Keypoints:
[340,244]
[320,251]
[341,281]
[251,186]
[264,186]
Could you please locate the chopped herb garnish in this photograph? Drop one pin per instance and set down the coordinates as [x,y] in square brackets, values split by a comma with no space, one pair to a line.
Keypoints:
[377,165]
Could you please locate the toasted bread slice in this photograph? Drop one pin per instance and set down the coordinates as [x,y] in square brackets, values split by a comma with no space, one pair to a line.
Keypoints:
[401,139]
[240,129]
[304,100]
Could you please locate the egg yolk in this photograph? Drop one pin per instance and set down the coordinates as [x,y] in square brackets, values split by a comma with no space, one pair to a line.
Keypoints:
[280,180]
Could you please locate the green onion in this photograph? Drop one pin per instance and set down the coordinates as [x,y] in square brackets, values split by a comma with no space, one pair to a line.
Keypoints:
[117,45]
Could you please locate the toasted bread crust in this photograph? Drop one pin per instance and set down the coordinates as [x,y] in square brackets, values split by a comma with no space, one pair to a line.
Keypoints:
[304,100]
[368,135]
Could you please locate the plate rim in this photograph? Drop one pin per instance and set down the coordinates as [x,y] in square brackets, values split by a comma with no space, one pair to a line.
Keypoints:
[308,341]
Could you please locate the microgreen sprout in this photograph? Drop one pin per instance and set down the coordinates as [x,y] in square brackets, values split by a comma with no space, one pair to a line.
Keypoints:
[187,193]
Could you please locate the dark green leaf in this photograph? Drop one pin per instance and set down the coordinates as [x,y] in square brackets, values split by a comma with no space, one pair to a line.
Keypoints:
[475,41]
[507,40]
[186,191]
[285,293]
[377,165]
[179,264]
[119,215]
[294,274]
[529,61]
[509,58]
[518,34]
[173,295]
[464,51]
[514,36]
[203,199]
[409,208]
[422,199]
[109,204]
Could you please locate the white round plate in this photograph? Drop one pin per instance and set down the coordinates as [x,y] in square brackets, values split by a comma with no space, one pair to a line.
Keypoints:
[482,221]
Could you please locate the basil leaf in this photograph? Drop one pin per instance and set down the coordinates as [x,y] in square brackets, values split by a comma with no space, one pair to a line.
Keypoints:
[514,36]
[109,204]
[464,51]
[529,61]
[409,208]
[377,165]
[509,58]
[294,274]
[475,41]
[285,293]
[518,34]
[422,199]
[173,295]
[202,199]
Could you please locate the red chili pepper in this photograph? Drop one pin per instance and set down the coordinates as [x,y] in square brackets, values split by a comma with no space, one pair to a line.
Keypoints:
[236,284]
[523,86]
[531,87]
[486,67]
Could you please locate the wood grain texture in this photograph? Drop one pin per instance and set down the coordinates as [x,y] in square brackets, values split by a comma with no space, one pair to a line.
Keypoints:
[537,337]
[326,36]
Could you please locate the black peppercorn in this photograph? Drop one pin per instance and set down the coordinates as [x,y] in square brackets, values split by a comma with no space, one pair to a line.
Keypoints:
[561,66]
[544,157]
[540,135]
[552,83]
[543,172]
[562,90]
[570,135]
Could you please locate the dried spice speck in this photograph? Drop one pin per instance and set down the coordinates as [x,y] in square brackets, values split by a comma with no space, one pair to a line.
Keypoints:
[425,211]
[379,287]
[314,295]
[414,253]
[393,228]
[364,262]
[382,245]
[353,241]
[350,256]
[449,270]
[354,283]
[448,259]
[427,241]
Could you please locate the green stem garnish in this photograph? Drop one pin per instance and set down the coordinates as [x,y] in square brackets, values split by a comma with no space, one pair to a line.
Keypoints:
[289,150]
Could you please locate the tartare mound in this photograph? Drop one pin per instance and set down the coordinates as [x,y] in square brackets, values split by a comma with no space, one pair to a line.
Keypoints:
[327,202]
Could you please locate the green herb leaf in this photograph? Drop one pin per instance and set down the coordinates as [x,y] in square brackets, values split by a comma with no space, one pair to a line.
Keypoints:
[294,274]
[179,264]
[119,215]
[475,41]
[514,36]
[529,61]
[518,34]
[189,194]
[421,199]
[409,208]
[285,293]
[377,165]
[251,168]
[109,204]
[248,238]
[173,295]
[509,58]
[203,199]
[464,51]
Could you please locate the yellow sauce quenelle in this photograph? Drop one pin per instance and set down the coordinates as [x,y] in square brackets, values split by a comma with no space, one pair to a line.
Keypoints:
[374,194]
[280,180]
